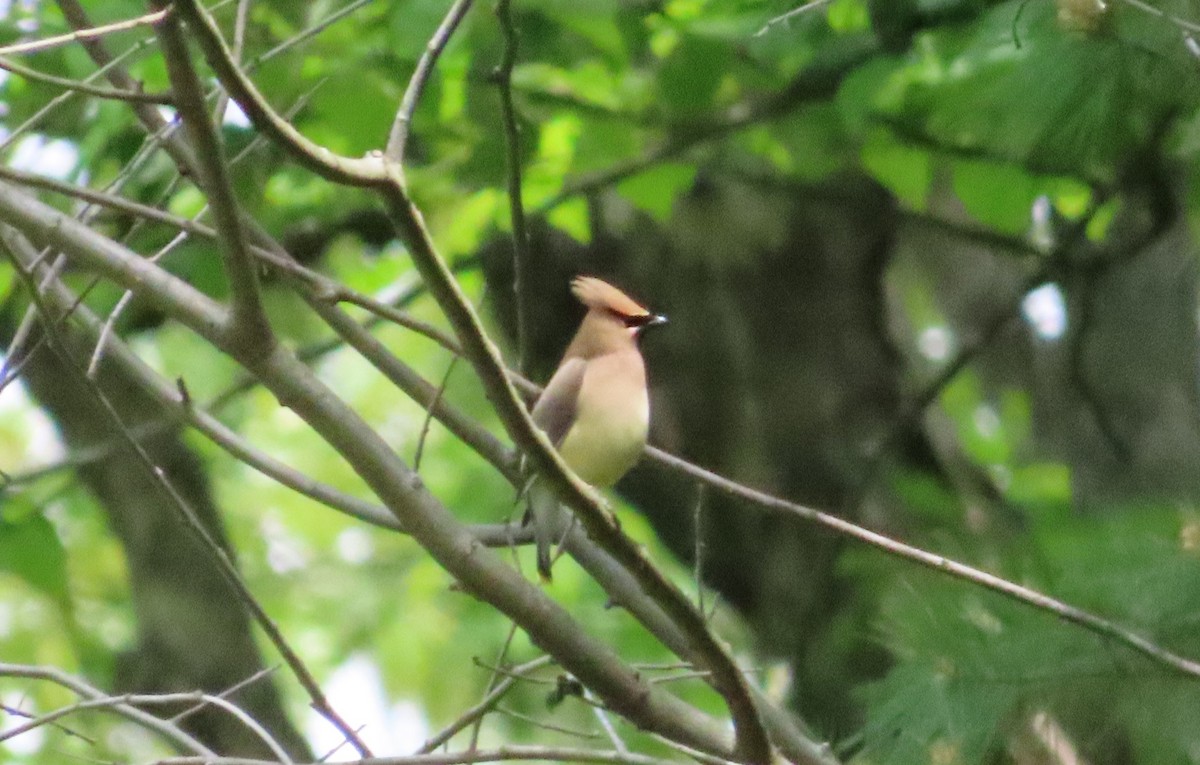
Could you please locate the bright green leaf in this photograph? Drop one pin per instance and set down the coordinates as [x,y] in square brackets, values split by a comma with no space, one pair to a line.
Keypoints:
[906,171]
[656,189]
[30,549]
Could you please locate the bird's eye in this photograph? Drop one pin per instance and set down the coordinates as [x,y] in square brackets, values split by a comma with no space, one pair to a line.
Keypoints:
[636,321]
[627,320]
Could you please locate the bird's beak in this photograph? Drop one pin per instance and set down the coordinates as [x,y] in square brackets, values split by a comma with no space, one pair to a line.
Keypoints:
[644,322]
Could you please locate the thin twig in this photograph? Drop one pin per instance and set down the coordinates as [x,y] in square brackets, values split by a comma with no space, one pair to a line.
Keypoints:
[85,34]
[510,753]
[784,18]
[698,546]
[433,404]
[248,320]
[1183,24]
[494,681]
[545,725]
[85,88]
[50,106]
[254,678]
[240,19]
[402,125]
[1064,611]
[147,699]
[700,757]
[115,314]
[306,34]
[512,138]
[512,673]
[606,724]
[167,730]
[15,712]
[497,692]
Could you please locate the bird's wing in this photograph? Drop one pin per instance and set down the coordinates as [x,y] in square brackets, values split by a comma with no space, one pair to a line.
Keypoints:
[557,407]
[555,412]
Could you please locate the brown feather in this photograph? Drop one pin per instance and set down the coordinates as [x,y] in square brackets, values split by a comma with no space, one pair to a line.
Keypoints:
[555,410]
[600,295]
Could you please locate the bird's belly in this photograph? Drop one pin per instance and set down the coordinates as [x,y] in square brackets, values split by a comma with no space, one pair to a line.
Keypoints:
[602,446]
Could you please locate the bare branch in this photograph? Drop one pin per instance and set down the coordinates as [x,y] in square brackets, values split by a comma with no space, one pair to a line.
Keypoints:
[85,34]
[502,754]
[498,669]
[516,203]
[36,118]
[433,404]
[145,699]
[167,730]
[306,34]
[402,126]
[476,712]
[85,88]
[1091,622]
[785,18]
[369,171]
[248,321]
[254,678]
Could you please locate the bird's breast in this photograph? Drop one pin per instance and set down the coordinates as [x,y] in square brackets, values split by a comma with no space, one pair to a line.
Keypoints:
[612,420]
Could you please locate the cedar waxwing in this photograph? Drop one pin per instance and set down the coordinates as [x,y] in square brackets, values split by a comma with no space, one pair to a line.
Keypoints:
[595,409]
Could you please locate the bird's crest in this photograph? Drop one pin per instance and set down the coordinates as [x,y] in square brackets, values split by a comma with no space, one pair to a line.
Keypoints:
[595,293]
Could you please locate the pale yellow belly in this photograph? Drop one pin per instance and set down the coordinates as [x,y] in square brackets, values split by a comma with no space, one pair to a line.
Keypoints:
[609,432]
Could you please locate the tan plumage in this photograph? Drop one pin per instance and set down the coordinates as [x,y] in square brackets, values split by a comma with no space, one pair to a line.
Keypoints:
[595,409]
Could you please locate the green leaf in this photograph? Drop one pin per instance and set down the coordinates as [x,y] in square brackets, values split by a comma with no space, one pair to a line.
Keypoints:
[1041,485]
[998,195]
[848,16]
[691,74]
[1028,92]
[906,171]
[655,190]
[572,217]
[31,549]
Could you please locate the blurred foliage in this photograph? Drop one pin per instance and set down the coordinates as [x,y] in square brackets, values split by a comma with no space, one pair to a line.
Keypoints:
[994,103]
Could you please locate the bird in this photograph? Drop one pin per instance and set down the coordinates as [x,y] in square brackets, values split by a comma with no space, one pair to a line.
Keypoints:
[596,408]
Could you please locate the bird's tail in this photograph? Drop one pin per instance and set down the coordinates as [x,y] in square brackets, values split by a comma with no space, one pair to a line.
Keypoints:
[549,521]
